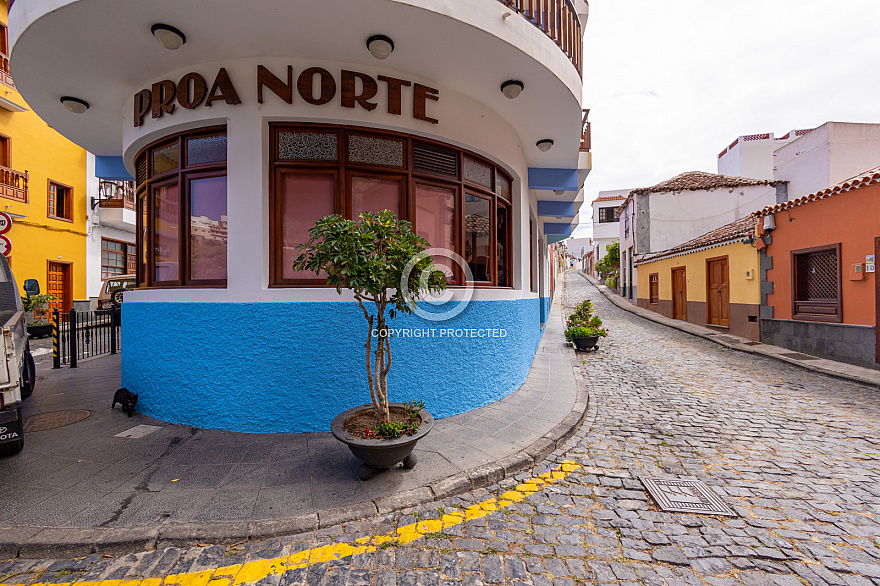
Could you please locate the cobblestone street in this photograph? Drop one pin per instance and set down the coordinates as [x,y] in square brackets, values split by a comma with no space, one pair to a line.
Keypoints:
[795,454]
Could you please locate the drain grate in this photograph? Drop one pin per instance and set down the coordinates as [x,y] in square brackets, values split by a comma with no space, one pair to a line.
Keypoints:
[799,356]
[54,419]
[685,496]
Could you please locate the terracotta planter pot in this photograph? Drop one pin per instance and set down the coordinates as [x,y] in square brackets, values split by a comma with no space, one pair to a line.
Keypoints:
[584,344]
[380,453]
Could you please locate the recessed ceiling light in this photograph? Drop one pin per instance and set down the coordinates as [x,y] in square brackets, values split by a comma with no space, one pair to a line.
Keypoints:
[75,105]
[168,36]
[380,46]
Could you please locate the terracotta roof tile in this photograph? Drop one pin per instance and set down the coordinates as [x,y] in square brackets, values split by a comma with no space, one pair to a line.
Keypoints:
[610,198]
[869,177]
[700,180]
[733,232]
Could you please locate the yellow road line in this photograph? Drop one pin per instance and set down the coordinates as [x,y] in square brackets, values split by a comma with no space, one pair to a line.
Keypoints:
[250,572]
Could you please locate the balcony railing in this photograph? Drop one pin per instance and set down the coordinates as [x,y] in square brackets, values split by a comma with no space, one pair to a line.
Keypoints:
[559,21]
[586,140]
[116,194]
[13,184]
[5,74]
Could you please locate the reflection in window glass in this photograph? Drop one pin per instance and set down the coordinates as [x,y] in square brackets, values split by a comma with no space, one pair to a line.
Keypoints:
[502,244]
[435,222]
[373,194]
[166,159]
[305,200]
[207,228]
[166,233]
[477,241]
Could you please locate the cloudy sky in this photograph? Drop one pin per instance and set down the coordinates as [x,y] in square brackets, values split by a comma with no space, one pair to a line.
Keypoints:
[671,83]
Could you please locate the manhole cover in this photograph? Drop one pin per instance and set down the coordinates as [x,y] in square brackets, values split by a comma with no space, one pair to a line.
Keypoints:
[799,356]
[554,350]
[53,419]
[685,496]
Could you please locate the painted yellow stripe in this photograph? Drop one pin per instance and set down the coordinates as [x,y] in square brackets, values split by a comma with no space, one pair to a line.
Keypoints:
[251,572]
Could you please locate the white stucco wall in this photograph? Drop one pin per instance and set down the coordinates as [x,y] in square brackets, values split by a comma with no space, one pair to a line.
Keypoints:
[829,154]
[751,158]
[679,217]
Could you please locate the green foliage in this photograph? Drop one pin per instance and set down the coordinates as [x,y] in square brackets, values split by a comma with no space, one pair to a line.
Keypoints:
[610,263]
[412,408]
[35,302]
[583,311]
[393,429]
[584,329]
[611,282]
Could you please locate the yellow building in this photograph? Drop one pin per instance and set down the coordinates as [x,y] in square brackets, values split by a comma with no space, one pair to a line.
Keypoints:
[43,190]
[711,280]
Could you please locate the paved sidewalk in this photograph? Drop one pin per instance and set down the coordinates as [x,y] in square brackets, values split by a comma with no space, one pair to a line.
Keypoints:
[82,488]
[830,367]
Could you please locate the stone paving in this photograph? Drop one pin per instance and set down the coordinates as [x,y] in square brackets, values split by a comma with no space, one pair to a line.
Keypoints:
[794,453]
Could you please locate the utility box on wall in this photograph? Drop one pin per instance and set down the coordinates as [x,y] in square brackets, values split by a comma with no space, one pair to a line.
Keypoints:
[858,272]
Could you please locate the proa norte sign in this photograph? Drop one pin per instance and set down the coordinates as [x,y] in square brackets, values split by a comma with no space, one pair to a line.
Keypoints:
[314,85]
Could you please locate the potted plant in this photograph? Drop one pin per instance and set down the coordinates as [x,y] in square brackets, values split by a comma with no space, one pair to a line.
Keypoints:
[34,306]
[585,334]
[383,263]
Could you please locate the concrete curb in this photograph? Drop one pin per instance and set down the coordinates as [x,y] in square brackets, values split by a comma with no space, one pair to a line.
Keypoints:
[45,542]
[833,368]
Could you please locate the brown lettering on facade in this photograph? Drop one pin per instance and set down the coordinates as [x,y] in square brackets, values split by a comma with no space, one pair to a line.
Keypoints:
[422,93]
[305,86]
[163,96]
[349,90]
[275,85]
[223,90]
[191,91]
[142,101]
[394,93]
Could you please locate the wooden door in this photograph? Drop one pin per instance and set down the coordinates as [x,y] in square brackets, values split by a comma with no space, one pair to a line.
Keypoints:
[718,292]
[679,294]
[59,285]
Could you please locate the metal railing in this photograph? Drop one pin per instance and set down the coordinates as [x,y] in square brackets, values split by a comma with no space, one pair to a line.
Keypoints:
[87,334]
[5,74]
[559,21]
[586,139]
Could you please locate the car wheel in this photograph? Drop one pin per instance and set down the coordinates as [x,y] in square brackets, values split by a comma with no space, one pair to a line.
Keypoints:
[28,375]
[116,297]
[12,448]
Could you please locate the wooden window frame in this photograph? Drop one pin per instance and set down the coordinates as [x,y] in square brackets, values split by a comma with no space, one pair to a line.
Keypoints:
[181,176]
[606,220]
[798,304]
[125,253]
[51,198]
[410,177]
[8,139]
[654,288]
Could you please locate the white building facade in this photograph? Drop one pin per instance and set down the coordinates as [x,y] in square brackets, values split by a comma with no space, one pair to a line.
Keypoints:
[464,118]
[605,223]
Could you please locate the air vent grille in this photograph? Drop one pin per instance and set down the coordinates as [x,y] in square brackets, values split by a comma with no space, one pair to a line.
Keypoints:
[428,158]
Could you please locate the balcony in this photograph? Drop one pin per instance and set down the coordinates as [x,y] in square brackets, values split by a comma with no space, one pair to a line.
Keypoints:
[559,21]
[116,194]
[5,75]
[13,184]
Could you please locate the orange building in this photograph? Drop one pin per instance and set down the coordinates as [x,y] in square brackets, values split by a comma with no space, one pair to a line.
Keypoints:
[820,294]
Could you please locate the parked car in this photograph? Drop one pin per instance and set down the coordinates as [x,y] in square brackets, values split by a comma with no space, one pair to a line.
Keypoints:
[17,370]
[113,289]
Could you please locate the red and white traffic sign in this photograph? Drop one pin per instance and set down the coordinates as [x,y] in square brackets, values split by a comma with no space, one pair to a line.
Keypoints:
[5,222]
[5,245]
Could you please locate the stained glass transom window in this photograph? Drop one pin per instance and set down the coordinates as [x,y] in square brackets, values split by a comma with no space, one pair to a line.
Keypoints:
[477,173]
[375,151]
[307,146]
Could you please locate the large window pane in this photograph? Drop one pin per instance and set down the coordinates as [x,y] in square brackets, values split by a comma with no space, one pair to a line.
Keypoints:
[503,244]
[207,228]
[166,239]
[477,236]
[305,199]
[374,194]
[435,221]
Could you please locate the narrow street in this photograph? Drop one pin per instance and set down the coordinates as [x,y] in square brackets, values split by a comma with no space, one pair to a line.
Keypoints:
[795,454]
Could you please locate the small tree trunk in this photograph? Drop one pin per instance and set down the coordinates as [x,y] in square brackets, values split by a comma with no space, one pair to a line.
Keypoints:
[379,371]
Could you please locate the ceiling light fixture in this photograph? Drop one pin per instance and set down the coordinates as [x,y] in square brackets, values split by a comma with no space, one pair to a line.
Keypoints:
[380,46]
[558,191]
[544,145]
[75,105]
[512,88]
[168,36]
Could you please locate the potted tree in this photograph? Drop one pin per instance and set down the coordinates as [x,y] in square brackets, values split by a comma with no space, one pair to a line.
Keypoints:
[34,307]
[583,328]
[384,264]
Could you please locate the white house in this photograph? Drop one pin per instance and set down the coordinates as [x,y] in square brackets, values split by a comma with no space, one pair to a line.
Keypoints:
[751,155]
[605,229]
[250,121]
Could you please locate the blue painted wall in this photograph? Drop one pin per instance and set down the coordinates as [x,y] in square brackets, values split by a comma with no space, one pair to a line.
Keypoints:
[292,367]
[545,308]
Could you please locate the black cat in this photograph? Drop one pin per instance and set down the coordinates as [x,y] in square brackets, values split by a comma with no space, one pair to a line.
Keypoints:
[125,398]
